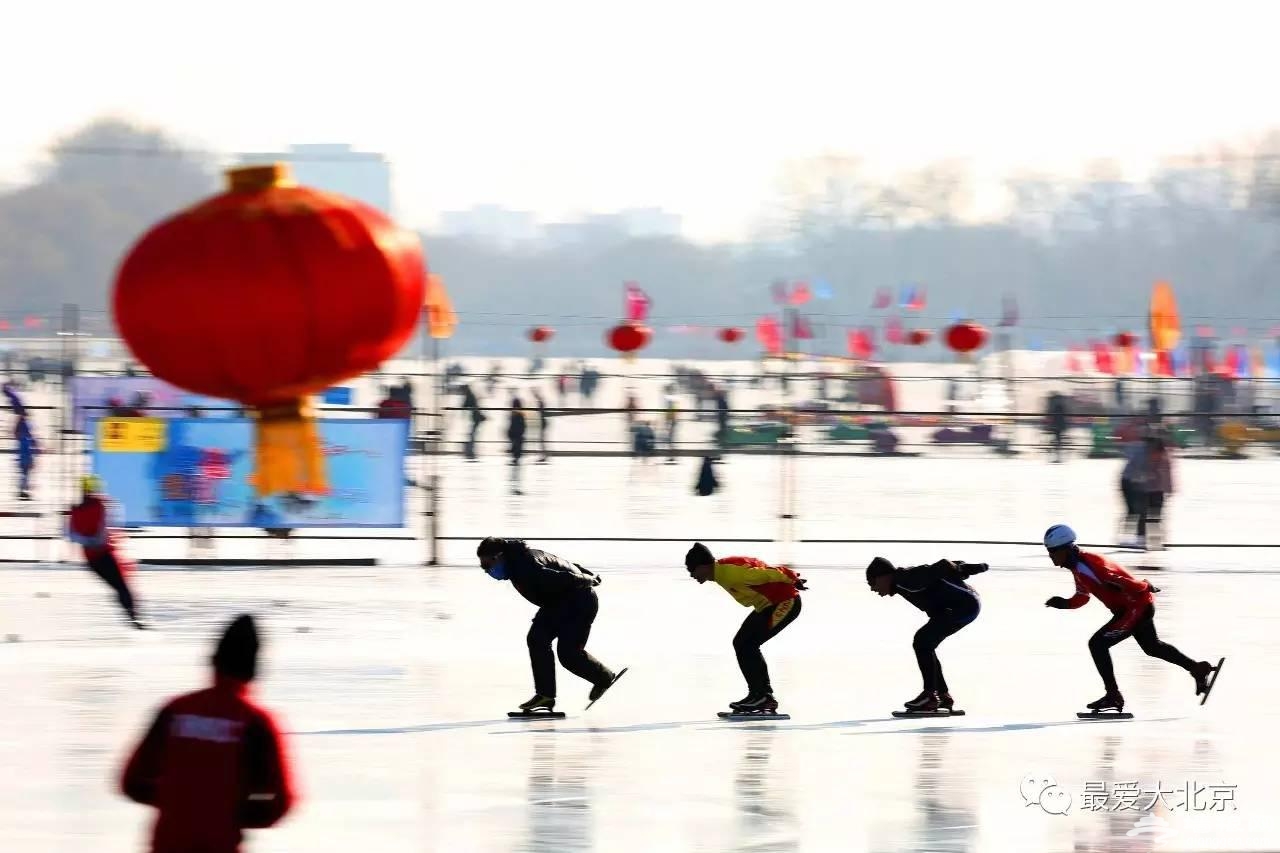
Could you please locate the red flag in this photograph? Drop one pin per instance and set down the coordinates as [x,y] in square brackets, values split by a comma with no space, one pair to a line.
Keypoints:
[769,334]
[893,331]
[800,328]
[1102,358]
[636,302]
[800,293]
[882,299]
[860,344]
[1164,363]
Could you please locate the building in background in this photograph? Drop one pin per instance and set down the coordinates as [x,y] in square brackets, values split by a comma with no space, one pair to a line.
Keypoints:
[362,175]
[491,224]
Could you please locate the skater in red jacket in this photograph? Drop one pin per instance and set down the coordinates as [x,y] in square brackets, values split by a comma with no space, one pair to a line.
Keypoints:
[89,525]
[772,593]
[1132,607]
[213,762]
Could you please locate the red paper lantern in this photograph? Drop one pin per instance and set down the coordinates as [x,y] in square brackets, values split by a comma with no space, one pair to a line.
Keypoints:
[966,337]
[541,334]
[919,337]
[265,294]
[629,337]
[1124,340]
[730,335]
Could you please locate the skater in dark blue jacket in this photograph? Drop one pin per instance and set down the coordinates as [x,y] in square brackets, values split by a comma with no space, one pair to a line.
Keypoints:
[941,592]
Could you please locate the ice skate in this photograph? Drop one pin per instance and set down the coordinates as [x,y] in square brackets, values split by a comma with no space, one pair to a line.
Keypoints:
[761,706]
[1109,707]
[926,701]
[538,707]
[930,704]
[600,689]
[1206,676]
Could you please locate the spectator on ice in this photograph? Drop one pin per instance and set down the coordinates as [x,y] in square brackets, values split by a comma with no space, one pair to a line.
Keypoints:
[213,762]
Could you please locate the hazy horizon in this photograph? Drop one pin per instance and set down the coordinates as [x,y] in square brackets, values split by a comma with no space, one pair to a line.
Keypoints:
[571,108]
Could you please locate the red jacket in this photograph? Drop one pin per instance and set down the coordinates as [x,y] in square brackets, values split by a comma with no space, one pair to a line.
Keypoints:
[89,525]
[1123,594]
[212,764]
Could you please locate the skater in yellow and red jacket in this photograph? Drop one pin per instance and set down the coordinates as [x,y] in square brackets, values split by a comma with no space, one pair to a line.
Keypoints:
[1132,606]
[772,593]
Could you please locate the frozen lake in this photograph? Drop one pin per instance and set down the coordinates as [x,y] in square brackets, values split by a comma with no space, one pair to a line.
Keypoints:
[394,683]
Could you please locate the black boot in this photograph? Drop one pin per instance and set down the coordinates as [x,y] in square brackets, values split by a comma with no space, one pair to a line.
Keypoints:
[1113,699]
[762,703]
[945,700]
[926,701]
[538,703]
[1201,672]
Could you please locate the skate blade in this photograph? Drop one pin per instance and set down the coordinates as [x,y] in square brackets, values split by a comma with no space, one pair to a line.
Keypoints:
[621,673]
[941,712]
[1104,715]
[739,717]
[1213,679]
[536,715]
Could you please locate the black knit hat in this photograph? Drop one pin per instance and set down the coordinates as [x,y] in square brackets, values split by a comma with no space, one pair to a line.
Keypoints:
[489,546]
[699,555]
[237,653]
[879,566]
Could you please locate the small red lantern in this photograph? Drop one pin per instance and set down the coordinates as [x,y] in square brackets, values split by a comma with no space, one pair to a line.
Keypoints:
[919,337]
[729,335]
[629,337]
[1125,340]
[266,294]
[966,337]
[541,334]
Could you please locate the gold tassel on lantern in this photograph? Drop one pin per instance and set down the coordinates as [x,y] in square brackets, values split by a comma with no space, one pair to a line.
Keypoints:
[288,455]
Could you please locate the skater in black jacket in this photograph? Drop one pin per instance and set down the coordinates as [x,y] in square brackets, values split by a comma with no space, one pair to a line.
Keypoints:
[941,592]
[565,595]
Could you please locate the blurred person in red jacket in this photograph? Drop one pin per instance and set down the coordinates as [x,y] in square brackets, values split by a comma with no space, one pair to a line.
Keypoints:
[1132,606]
[213,762]
[89,525]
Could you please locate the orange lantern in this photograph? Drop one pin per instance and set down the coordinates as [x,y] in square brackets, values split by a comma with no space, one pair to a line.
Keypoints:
[730,335]
[629,337]
[266,294]
[966,337]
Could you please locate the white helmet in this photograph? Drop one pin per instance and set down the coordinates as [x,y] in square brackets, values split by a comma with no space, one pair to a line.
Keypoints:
[1058,536]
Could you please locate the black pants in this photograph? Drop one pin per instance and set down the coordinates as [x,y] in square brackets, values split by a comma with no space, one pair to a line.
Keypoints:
[930,636]
[1144,631]
[570,621]
[1150,510]
[106,567]
[1134,498]
[758,628]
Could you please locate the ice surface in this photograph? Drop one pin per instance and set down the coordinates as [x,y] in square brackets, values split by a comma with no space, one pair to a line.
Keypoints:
[396,697]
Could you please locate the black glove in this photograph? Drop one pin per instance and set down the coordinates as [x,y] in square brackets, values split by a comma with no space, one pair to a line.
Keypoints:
[971,569]
[1057,603]
[801,583]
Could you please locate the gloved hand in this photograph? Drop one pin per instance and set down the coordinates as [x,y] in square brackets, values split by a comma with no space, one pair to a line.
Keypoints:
[1057,603]
[801,583]
[971,569]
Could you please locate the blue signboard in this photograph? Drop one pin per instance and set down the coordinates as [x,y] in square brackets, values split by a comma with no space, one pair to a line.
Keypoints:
[193,472]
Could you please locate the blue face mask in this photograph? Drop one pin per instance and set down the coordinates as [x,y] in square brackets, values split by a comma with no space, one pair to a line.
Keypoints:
[498,571]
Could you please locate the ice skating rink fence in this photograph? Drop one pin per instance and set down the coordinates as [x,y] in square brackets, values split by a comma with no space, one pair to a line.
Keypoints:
[810,487]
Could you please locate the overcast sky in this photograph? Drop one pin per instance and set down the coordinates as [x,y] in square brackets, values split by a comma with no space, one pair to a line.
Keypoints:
[692,105]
